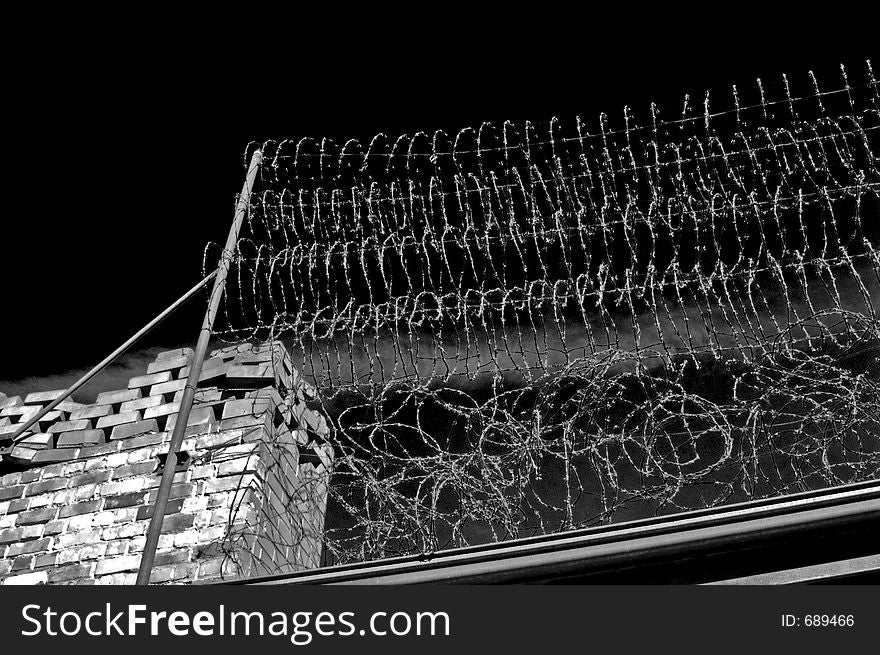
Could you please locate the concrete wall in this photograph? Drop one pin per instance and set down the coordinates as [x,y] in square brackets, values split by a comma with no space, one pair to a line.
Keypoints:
[76,494]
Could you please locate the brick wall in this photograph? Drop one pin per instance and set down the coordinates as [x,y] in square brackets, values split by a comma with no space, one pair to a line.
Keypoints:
[248,498]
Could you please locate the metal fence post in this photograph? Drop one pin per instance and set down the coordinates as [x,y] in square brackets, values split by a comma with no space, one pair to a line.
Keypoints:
[155,529]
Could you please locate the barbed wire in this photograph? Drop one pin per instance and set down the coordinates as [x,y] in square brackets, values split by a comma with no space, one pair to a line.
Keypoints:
[527,329]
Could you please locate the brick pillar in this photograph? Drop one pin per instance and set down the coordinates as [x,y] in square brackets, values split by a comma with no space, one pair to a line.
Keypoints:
[248,500]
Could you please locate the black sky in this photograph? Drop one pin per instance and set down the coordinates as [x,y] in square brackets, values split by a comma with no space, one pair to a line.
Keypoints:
[122,168]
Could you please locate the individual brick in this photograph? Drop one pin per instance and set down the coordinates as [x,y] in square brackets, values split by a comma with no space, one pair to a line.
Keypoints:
[48,419]
[77,509]
[10,401]
[117,564]
[9,429]
[149,380]
[91,412]
[73,468]
[196,504]
[33,578]
[177,353]
[173,507]
[263,357]
[93,477]
[55,455]
[21,413]
[212,534]
[228,352]
[134,429]
[162,410]
[97,451]
[29,547]
[39,441]
[116,579]
[116,459]
[167,389]
[118,396]
[178,490]
[214,362]
[248,407]
[128,485]
[248,423]
[139,468]
[18,505]
[237,466]
[213,372]
[81,438]
[126,531]
[22,563]
[93,551]
[204,396]
[69,426]
[243,375]
[118,419]
[231,483]
[274,348]
[79,533]
[161,574]
[31,475]
[171,557]
[43,397]
[34,516]
[10,479]
[21,455]
[287,437]
[53,528]
[201,472]
[186,539]
[177,523]
[45,561]
[116,547]
[84,492]
[68,406]
[197,416]
[109,517]
[60,497]
[45,486]
[124,500]
[144,441]
[21,533]
[141,404]
[70,572]
[173,364]
[35,502]
[271,395]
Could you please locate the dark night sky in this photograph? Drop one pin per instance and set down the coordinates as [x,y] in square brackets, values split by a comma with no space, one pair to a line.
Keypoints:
[123,169]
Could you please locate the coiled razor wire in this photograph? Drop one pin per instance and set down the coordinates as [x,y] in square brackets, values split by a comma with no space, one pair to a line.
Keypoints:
[522,329]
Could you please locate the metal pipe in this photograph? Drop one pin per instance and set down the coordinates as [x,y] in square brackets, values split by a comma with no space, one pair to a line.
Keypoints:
[155,529]
[828,512]
[110,358]
[704,544]
[838,572]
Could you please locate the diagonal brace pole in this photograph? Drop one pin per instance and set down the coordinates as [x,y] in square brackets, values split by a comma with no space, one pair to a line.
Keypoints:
[109,359]
[155,529]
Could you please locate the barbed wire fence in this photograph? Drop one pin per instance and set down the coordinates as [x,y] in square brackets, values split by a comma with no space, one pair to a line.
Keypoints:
[522,329]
